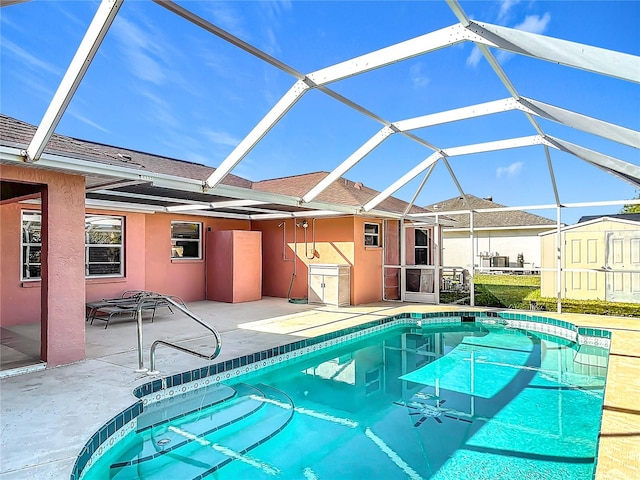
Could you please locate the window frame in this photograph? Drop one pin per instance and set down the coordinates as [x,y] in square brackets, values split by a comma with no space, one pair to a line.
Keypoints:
[25,246]
[88,246]
[426,248]
[174,246]
[375,236]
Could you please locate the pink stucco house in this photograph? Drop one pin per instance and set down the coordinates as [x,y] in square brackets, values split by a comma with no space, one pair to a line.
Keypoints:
[88,221]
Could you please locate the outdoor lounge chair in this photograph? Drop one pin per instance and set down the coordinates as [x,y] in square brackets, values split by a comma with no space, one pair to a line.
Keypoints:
[126,304]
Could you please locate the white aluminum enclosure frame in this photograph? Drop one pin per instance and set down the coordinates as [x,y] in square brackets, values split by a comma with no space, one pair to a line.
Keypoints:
[596,60]
[89,46]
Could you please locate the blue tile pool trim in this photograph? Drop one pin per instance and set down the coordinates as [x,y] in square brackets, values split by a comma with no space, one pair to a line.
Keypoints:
[116,428]
[106,437]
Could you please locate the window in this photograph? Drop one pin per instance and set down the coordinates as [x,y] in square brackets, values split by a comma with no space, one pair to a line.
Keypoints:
[103,246]
[31,245]
[371,235]
[422,250]
[186,240]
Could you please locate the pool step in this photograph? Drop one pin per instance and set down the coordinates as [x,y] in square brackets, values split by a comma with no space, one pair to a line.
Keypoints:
[183,404]
[192,450]
[160,440]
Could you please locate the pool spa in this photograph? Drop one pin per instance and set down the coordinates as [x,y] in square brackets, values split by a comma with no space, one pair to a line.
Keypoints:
[456,395]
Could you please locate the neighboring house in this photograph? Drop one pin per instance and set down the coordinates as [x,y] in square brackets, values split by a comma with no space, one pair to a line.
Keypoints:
[601,259]
[88,221]
[501,238]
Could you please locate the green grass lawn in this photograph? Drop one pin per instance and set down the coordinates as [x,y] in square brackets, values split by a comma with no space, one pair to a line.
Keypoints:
[518,291]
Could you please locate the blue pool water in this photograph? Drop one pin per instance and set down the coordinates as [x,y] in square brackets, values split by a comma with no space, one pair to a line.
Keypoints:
[470,401]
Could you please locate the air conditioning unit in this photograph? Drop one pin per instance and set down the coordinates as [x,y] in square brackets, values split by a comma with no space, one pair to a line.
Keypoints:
[500,261]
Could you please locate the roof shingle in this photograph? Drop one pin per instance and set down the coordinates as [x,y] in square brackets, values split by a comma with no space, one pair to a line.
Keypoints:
[18,134]
[511,218]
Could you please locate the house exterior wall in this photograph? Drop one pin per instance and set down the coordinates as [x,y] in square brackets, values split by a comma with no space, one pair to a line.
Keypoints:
[457,246]
[60,296]
[367,272]
[278,260]
[19,301]
[134,276]
[148,263]
[589,251]
[176,276]
[337,241]
[58,300]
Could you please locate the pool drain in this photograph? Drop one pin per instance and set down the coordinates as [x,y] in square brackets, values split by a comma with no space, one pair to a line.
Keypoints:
[163,441]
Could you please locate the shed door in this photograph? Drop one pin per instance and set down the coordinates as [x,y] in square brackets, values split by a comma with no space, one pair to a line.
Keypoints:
[584,259]
[623,253]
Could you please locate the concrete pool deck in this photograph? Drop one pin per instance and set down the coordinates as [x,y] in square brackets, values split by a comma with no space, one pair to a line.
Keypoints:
[48,415]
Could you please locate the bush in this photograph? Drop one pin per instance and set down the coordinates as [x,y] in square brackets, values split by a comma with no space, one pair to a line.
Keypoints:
[591,307]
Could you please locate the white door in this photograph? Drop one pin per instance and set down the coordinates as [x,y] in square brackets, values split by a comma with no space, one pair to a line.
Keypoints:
[623,259]
[419,281]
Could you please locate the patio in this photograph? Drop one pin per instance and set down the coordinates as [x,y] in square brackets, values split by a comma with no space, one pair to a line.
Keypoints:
[48,415]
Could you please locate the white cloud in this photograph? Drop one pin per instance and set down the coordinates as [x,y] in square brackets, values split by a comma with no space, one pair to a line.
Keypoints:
[272,46]
[505,7]
[534,23]
[221,138]
[161,110]
[511,171]
[31,61]
[228,19]
[418,77]
[140,49]
[474,57]
[276,8]
[86,121]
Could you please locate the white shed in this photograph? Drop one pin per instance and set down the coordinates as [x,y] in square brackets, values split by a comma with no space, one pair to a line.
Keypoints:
[600,261]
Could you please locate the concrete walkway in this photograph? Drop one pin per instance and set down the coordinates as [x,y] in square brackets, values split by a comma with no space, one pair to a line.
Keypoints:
[47,416]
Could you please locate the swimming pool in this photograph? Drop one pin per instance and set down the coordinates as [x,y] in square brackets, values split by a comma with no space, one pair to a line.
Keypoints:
[483,395]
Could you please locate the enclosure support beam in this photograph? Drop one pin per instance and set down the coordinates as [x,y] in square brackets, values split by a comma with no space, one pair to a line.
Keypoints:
[395,53]
[571,54]
[552,175]
[591,125]
[456,114]
[472,289]
[626,171]
[260,130]
[79,65]
[437,260]
[354,158]
[403,262]
[402,181]
[493,146]
[560,254]
[419,189]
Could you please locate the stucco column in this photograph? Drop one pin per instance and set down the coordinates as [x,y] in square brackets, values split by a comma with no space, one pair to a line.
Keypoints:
[63,283]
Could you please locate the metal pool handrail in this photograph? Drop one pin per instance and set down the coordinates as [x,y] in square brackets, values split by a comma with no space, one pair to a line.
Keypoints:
[186,311]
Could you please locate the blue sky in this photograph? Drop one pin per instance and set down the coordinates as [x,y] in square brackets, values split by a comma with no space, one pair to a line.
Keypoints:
[162,85]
